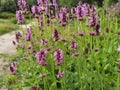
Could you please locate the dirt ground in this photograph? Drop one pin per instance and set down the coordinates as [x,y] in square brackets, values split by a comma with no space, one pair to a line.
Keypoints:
[6,48]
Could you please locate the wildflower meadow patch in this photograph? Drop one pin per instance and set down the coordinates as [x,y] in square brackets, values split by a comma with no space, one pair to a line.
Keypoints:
[66,49]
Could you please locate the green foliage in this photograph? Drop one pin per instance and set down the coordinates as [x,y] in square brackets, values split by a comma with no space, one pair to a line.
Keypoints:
[7,15]
[7,25]
[71,3]
[8,6]
[13,20]
[108,3]
[11,5]
[68,3]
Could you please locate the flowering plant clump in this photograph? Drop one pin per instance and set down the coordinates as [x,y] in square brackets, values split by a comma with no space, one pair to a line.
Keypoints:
[66,49]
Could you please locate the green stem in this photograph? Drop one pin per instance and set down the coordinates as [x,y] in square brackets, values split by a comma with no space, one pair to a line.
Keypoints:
[64,78]
[45,88]
[91,51]
[118,82]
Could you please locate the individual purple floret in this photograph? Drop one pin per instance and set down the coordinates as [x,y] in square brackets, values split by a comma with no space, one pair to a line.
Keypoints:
[19,16]
[28,35]
[48,49]
[60,74]
[93,33]
[97,29]
[73,45]
[43,42]
[40,2]
[58,56]
[26,10]
[21,4]
[81,33]
[76,54]
[42,75]
[55,4]
[96,49]
[22,45]
[55,35]
[40,56]
[118,49]
[73,10]
[40,17]
[14,64]
[18,36]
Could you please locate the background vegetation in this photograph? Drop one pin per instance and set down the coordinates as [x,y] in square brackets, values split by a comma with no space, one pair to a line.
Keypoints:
[11,5]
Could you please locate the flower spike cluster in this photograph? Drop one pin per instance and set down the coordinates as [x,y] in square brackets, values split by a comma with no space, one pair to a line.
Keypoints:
[21,4]
[40,56]
[63,16]
[12,68]
[58,56]
[19,16]
[28,35]
[55,35]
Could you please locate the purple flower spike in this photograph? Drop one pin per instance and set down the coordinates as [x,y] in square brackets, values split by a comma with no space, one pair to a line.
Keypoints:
[97,28]
[92,20]
[63,16]
[40,56]
[58,56]
[28,35]
[21,4]
[18,36]
[73,45]
[93,17]
[19,16]
[11,70]
[60,74]
[85,9]
[118,49]
[26,10]
[35,9]
[55,35]
[79,13]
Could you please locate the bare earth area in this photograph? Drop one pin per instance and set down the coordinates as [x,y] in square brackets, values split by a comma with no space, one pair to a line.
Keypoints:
[6,48]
